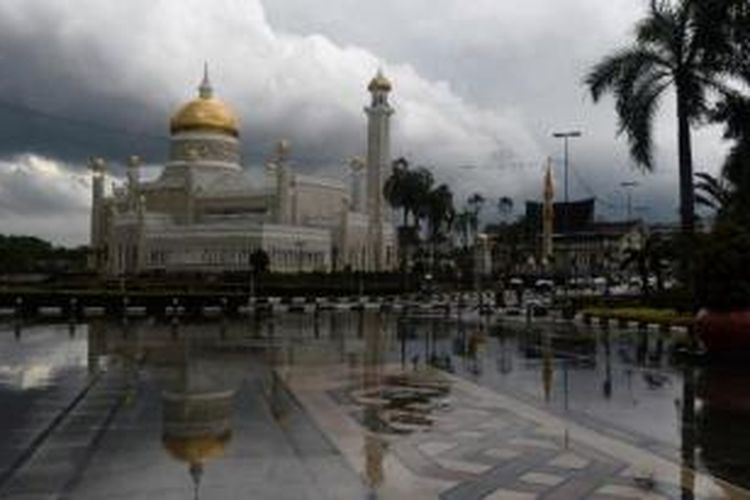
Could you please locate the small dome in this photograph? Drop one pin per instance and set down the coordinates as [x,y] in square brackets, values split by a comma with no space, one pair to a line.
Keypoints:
[380,82]
[205,112]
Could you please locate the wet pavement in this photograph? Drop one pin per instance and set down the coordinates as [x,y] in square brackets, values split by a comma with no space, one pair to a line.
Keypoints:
[364,405]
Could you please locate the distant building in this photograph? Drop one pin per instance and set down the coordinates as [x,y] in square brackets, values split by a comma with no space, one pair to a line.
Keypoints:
[582,245]
[204,214]
[562,238]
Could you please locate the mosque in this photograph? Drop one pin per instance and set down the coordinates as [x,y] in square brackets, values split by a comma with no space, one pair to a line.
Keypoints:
[204,214]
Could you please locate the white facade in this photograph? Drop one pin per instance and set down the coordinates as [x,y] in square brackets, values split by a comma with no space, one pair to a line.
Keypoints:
[204,214]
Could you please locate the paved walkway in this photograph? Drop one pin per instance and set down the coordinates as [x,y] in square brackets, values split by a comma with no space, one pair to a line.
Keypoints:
[432,435]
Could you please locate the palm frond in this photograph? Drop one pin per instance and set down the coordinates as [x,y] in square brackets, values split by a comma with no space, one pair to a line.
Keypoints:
[636,112]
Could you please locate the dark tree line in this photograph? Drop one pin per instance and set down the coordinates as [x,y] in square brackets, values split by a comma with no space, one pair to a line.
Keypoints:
[26,254]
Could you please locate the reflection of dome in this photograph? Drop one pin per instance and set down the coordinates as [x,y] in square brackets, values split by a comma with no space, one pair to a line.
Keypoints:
[205,113]
[380,82]
[198,449]
[196,427]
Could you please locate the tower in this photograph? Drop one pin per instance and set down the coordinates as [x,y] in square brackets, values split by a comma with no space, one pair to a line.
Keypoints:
[548,215]
[357,166]
[134,180]
[378,165]
[98,169]
[283,183]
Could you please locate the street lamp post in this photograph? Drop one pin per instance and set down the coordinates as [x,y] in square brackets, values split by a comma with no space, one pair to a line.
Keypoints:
[566,136]
[628,186]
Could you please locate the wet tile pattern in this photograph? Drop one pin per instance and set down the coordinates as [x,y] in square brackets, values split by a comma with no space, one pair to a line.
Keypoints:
[477,446]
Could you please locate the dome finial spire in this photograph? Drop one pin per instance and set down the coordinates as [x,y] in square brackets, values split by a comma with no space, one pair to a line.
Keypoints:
[379,82]
[205,90]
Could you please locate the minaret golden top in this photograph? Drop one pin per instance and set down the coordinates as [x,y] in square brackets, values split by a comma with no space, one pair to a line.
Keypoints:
[379,83]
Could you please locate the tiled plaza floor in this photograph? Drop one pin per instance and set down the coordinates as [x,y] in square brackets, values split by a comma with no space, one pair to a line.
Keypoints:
[432,435]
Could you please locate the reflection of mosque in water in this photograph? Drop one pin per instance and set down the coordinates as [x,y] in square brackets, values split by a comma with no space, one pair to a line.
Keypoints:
[200,367]
[201,370]
[198,380]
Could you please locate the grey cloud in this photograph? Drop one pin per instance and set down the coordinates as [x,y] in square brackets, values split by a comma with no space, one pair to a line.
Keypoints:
[480,83]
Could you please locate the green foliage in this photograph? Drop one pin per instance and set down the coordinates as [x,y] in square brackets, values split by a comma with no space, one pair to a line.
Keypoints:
[412,191]
[652,258]
[677,45]
[641,315]
[408,188]
[437,208]
[505,206]
[260,261]
[26,254]
[723,267]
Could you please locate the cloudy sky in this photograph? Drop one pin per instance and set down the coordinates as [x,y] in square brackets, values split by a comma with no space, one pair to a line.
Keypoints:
[478,87]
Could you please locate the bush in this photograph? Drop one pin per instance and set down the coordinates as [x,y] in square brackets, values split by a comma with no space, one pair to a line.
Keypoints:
[723,268]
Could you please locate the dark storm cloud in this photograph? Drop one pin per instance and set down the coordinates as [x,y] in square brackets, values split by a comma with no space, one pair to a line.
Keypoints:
[480,84]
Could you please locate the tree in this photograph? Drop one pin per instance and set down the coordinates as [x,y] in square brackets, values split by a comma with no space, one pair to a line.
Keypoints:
[394,189]
[650,259]
[259,261]
[462,226]
[712,191]
[505,206]
[406,188]
[475,204]
[439,211]
[677,48]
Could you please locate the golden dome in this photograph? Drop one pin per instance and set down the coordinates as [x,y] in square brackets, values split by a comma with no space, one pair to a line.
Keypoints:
[380,82]
[205,112]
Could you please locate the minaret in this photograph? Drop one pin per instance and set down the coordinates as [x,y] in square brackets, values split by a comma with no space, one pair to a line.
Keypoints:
[378,165]
[98,169]
[357,166]
[548,215]
[134,180]
[283,184]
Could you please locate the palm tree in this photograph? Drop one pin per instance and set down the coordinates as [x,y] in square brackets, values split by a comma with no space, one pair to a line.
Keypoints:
[462,226]
[406,188]
[439,211]
[650,259]
[674,49]
[475,204]
[505,206]
[394,189]
[712,191]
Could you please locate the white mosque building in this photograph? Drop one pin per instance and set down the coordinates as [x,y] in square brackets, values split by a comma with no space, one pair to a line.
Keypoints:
[204,214]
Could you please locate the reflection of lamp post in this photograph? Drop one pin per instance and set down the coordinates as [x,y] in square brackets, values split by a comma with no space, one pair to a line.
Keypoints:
[479,267]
